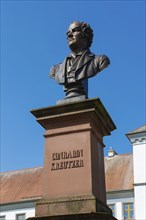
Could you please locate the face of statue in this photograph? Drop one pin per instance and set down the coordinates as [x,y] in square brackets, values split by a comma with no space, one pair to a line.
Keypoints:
[76,41]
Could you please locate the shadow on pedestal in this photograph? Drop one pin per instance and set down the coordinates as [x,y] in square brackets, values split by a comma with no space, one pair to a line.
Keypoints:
[85,216]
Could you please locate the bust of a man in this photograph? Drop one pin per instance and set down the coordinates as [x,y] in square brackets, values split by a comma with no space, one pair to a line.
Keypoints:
[80,64]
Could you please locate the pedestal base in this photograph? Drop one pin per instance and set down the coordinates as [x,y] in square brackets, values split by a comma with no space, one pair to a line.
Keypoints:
[86,216]
[71,205]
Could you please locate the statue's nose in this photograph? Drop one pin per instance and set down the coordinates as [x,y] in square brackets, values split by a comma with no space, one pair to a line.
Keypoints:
[70,34]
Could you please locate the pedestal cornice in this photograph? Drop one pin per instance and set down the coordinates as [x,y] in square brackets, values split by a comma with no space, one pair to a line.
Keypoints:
[46,116]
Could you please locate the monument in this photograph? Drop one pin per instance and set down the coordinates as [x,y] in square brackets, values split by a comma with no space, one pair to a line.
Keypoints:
[81,64]
[73,181]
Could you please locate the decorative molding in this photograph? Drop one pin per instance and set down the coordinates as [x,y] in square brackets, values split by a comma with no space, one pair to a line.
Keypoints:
[139,184]
[140,140]
[67,199]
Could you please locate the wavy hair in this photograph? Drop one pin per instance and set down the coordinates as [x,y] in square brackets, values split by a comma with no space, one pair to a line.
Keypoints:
[87,32]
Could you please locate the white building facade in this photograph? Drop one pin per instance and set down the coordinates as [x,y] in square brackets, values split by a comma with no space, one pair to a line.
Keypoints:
[138,140]
[17,211]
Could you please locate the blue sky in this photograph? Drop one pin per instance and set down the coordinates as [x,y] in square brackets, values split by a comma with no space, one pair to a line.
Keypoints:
[33,39]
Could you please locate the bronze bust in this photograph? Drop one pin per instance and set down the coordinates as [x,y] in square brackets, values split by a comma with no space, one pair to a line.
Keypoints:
[80,64]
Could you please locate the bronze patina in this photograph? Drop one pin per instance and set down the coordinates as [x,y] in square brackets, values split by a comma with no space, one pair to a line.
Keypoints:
[80,64]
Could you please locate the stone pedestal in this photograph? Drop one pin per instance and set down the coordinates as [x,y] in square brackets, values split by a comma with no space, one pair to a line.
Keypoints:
[73,182]
[85,216]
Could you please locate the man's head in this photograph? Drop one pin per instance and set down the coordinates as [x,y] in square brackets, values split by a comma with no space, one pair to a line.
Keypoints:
[79,36]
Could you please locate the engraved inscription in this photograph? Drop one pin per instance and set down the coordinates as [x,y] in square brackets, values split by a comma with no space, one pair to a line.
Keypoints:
[67,160]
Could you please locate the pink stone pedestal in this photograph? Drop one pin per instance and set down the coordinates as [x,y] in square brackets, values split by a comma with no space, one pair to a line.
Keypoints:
[73,184]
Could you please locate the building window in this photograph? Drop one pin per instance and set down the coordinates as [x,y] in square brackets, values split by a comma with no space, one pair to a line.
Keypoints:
[3,217]
[20,217]
[112,207]
[128,211]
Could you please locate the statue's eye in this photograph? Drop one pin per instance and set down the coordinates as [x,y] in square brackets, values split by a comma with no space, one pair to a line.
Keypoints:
[76,29]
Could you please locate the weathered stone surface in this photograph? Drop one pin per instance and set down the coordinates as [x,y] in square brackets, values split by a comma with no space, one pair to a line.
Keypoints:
[71,205]
[85,216]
